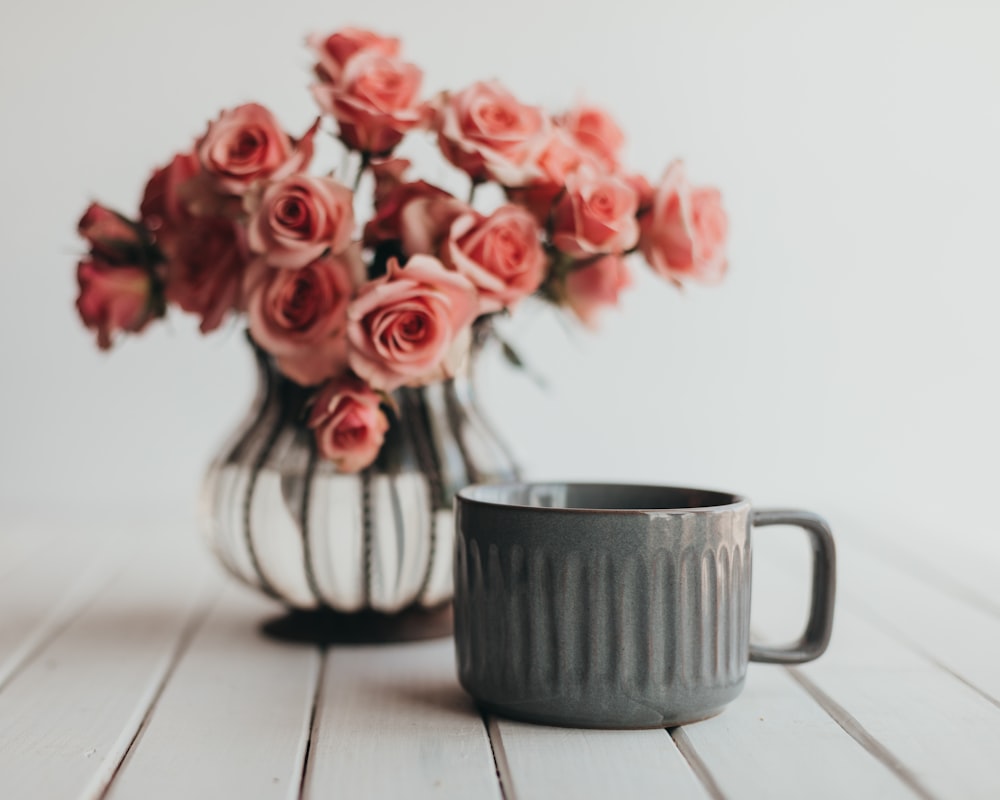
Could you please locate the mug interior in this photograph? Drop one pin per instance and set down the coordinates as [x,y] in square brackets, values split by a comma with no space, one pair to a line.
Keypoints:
[596,496]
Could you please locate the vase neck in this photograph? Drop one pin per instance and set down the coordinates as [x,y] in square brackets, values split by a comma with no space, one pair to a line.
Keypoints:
[275,388]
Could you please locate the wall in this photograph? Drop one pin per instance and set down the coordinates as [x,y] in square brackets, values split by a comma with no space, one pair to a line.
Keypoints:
[849,362]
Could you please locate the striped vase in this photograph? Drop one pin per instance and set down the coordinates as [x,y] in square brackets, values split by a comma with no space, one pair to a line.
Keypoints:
[282,520]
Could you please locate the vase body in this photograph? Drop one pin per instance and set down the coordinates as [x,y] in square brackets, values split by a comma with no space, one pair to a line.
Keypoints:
[281,519]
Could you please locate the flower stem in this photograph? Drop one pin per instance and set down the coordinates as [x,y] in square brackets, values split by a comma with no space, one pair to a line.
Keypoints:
[550,218]
[365,160]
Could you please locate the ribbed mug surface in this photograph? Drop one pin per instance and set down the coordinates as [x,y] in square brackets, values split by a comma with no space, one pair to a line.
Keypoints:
[603,618]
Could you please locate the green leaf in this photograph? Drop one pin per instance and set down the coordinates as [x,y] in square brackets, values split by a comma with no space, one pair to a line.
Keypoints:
[515,360]
[511,355]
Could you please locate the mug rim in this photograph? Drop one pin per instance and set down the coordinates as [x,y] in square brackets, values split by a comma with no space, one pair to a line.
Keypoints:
[466,495]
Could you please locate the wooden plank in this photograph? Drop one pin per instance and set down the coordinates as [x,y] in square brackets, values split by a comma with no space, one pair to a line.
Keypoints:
[934,731]
[958,635]
[537,761]
[69,716]
[392,721]
[774,741]
[965,566]
[50,586]
[931,727]
[233,721]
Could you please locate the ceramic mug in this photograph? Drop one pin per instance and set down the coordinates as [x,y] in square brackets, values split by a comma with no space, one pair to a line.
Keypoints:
[616,606]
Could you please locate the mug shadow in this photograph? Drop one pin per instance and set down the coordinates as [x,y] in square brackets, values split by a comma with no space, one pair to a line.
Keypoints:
[444,697]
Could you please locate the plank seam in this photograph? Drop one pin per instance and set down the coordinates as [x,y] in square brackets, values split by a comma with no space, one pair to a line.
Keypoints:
[914,565]
[889,628]
[67,609]
[867,612]
[853,728]
[698,766]
[500,763]
[982,693]
[317,699]
[191,626]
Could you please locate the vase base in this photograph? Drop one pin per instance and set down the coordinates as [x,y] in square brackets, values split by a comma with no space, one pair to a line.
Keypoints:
[329,627]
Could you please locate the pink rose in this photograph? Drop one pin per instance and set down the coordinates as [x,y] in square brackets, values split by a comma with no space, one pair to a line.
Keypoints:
[596,285]
[501,255]
[114,298]
[559,157]
[206,259]
[486,132]
[387,224]
[298,218]
[112,237]
[595,215]
[597,133]
[409,326]
[348,424]
[164,206]
[298,316]
[424,222]
[205,255]
[684,234]
[335,50]
[375,101]
[246,144]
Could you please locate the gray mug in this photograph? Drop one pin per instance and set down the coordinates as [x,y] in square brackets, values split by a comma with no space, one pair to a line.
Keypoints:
[616,606]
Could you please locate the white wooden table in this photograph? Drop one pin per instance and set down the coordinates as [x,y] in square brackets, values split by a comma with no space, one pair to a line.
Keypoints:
[130,667]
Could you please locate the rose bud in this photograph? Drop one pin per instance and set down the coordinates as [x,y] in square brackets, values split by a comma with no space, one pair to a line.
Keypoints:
[164,207]
[595,215]
[300,217]
[387,224]
[114,298]
[335,50]
[486,132]
[206,260]
[246,144]
[113,238]
[409,327]
[559,157]
[594,286]
[595,131]
[389,173]
[298,315]
[375,102]
[425,220]
[500,254]
[684,234]
[348,424]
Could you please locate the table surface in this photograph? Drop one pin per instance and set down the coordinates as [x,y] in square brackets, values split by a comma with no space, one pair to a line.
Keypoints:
[131,667]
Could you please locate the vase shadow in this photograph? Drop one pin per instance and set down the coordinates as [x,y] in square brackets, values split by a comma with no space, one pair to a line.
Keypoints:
[327,627]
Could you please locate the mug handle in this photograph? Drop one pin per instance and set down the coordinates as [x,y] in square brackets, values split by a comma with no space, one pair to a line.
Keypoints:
[816,637]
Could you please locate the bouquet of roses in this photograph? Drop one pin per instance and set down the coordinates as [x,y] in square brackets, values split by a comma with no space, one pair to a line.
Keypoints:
[237,225]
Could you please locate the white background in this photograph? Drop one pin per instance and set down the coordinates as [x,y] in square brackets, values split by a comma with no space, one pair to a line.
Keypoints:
[848,364]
